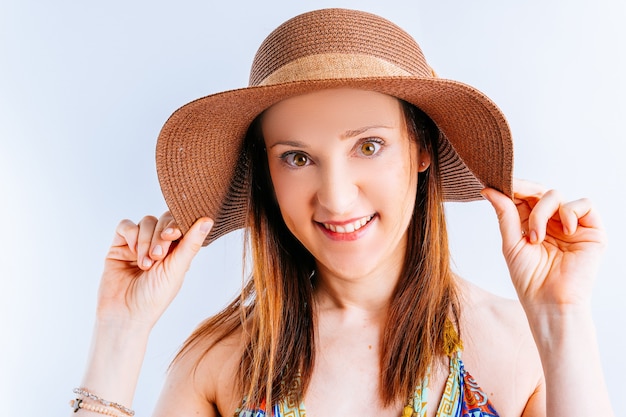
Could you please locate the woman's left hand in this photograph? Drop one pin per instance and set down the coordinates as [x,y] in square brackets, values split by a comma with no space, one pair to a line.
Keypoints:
[552,247]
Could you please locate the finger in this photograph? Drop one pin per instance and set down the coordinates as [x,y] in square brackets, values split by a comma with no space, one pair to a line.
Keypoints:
[170,230]
[125,234]
[189,245]
[508,217]
[577,212]
[162,241]
[525,189]
[144,241]
[543,211]
[124,245]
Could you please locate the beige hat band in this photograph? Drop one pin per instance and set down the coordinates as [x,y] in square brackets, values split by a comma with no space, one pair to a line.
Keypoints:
[334,66]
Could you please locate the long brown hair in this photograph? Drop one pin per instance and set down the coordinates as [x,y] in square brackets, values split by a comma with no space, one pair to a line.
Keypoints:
[275,309]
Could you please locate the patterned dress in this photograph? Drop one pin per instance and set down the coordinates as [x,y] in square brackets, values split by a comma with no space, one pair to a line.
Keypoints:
[462,397]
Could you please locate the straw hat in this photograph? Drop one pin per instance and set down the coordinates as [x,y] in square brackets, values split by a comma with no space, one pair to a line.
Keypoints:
[199,146]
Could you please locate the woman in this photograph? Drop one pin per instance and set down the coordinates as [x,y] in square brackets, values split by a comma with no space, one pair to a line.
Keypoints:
[337,160]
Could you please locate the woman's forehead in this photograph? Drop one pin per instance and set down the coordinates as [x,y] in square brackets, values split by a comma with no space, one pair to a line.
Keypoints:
[337,110]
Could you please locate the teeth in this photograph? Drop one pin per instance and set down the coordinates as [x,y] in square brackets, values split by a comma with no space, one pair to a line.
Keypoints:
[350,227]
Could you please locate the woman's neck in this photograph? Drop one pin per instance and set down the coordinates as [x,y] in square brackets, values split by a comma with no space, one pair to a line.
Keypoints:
[369,294]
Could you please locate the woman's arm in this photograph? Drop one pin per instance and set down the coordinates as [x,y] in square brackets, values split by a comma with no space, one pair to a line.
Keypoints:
[571,362]
[553,249]
[143,271]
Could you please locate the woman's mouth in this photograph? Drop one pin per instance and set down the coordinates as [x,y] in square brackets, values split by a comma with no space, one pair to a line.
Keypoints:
[348,227]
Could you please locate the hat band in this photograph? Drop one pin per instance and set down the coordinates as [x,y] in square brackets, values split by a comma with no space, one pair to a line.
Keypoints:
[333,66]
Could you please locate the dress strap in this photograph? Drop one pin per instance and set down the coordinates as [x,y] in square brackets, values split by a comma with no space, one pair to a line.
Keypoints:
[416,406]
[450,404]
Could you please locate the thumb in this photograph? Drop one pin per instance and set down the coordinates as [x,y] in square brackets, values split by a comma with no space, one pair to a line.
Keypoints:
[508,216]
[190,245]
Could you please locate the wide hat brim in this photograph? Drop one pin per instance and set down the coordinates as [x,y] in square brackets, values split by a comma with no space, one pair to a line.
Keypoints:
[198,149]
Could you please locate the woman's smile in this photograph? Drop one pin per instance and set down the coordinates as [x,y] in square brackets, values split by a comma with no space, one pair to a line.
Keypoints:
[347,230]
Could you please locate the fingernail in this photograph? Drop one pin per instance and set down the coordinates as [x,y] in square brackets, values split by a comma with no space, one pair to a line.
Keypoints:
[168,231]
[157,250]
[533,236]
[147,262]
[205,227]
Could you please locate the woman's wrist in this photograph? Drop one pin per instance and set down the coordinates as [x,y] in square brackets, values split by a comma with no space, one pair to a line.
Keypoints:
[114,363]
[551,323]
[566,340]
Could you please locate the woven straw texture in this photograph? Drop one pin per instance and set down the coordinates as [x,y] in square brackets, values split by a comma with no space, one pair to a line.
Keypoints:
[198,150]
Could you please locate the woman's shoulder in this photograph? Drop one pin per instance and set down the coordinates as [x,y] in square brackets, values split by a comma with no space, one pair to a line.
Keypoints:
[480,306]
[488,319]
[203,376]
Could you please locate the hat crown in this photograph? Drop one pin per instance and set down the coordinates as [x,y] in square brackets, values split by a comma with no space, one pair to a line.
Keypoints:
[337,43]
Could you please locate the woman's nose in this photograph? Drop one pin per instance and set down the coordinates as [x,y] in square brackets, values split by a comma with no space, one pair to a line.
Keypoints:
[338,190]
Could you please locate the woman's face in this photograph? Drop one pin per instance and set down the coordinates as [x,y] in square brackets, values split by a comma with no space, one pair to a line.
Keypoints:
[344,171]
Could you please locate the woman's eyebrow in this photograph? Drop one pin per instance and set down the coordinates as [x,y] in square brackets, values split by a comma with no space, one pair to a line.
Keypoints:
[292,143]
[355,132]
[345,135]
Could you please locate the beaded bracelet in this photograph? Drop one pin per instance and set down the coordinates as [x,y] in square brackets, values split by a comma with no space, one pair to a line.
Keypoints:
[85,393]
[78,403]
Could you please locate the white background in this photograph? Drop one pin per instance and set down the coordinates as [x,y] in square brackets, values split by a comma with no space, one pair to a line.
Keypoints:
[86,86]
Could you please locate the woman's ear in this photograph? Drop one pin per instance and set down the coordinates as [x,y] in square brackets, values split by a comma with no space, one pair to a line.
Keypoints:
[423,160]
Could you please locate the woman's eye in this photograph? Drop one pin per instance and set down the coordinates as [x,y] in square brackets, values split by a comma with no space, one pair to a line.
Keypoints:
[296,159]
[369,148]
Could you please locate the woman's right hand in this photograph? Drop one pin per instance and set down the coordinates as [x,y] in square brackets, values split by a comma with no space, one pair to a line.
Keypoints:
[145,267]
